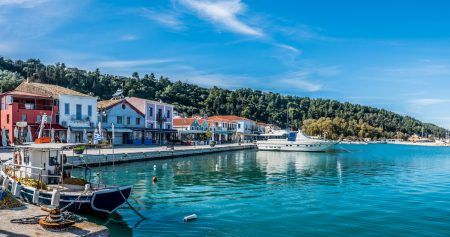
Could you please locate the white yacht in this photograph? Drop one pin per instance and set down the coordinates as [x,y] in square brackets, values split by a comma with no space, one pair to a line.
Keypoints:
[294,141]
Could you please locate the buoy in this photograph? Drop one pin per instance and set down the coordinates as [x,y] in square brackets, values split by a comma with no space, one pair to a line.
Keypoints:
[190,218]
[36,196]
[154,179]
[55,198]
[154,167]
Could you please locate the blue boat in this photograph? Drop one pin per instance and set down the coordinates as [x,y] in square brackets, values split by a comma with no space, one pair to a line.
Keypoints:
[36,174]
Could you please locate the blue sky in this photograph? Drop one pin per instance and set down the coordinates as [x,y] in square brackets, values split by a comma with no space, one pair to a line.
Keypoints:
[387,54]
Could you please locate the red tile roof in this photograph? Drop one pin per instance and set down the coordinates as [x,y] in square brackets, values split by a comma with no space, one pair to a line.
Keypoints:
[179,122]
[25,94]
[232,118]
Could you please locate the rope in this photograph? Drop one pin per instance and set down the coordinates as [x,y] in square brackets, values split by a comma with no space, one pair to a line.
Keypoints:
[71,203]
[131,207]
[28,220]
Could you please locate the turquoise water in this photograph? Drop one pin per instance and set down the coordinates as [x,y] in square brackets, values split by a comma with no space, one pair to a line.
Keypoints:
[363,190]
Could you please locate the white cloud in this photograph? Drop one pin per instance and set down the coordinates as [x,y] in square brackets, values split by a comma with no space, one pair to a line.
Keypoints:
[223,14]
[128,37]
[303,85]
[428,101]
[131,63]
[420,70]
[22,3]
[167,18]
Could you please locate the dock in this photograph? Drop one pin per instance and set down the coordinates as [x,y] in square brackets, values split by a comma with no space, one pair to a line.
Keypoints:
[140,153]
[14,229]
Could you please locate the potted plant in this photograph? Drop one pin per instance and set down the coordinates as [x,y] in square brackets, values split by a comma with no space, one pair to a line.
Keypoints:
[213,143]
[79,149]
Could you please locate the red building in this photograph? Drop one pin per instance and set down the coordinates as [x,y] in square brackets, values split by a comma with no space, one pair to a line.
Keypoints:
[19,106]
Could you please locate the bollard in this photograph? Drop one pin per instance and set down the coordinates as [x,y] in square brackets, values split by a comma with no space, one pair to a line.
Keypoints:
[55,198]
[36,196]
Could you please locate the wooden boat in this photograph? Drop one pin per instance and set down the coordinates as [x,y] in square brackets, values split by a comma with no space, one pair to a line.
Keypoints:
[40,168]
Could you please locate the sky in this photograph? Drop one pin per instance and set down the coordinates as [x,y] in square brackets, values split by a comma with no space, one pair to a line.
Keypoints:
[387,54]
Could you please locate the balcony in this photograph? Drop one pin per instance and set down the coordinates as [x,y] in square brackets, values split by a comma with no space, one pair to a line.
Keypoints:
[78,118]
[30,106]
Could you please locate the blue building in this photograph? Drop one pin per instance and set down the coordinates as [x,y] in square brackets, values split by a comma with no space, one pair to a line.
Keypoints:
[128,121]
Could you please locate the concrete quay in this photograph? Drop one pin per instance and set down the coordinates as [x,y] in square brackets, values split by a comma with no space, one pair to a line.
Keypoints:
[139,153]
[7,228]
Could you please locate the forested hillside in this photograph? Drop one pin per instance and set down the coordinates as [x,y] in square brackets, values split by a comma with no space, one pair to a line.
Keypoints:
[316,116]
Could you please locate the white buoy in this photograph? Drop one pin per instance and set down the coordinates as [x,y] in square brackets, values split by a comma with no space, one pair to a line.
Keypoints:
[16,190]
[36,196]
[217,167]
[5,184]
[55,198]
[190,218]
[154,167]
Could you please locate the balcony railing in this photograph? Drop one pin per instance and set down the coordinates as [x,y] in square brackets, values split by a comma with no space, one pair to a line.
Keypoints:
[34,106]
[78,118]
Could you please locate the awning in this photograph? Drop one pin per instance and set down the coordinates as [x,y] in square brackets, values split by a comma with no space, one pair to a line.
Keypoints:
[55,126]
[192,131]
[161,130]
[81,129]
[120,130]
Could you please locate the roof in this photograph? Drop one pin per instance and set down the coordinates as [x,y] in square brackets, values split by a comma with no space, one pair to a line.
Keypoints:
[139,103]
[232,118]
[25,94]
[53,91]
[106,104]
[179,122]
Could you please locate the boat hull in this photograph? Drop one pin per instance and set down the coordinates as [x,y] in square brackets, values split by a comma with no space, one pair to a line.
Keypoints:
[295,146]
[100,202]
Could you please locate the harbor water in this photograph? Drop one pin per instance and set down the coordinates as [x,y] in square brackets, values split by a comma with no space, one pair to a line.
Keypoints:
[363,190]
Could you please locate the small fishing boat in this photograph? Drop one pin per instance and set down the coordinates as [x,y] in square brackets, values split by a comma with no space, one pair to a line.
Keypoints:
[36,174]
[295,141]
[38,170]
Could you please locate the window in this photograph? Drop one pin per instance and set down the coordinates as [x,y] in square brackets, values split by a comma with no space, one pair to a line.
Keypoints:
[128,120]
[67,108]
[160,112]
[168,114]
[89,110]
[119,119]
[239,125]
[150,111]
[138,121]
[168,126]
[7,118]
[24,117]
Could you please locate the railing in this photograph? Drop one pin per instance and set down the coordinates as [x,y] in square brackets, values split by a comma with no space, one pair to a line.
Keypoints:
[82,118]
[34,106]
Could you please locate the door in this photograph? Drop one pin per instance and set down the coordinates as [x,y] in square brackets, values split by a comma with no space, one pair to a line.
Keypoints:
[78,112]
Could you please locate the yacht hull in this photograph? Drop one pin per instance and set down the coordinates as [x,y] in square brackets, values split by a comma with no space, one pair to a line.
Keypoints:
[295,146]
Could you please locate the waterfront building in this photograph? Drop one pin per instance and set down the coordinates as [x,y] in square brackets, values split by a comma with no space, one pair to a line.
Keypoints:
[223,129]
[158,122]
[245,130]
[191,130]
[28,109]
[75,109]
[128,121]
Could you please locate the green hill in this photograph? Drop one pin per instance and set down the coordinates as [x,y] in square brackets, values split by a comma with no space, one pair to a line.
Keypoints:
[331,118]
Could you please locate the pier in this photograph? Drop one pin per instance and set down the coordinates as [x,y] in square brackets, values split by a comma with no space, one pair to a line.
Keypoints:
[15,229]
[139,153]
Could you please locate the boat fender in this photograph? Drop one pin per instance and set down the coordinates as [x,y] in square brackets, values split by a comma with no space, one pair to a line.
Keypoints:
[13,186]
[154,167]
[87,187]
[16,190]
[190,218]
[36,196]
[5,184]
[55,198]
